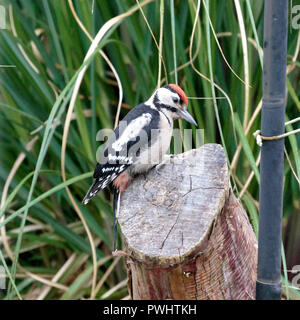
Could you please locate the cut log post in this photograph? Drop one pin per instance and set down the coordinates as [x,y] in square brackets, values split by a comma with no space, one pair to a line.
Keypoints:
[185,235]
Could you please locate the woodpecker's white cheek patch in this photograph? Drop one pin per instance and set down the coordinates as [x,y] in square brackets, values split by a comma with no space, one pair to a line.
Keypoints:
[165,96]
[132,131]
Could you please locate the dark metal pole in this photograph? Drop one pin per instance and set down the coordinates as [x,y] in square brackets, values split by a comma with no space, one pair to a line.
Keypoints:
[268,285]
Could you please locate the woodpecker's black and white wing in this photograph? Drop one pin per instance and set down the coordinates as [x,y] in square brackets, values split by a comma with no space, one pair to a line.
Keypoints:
[123,148]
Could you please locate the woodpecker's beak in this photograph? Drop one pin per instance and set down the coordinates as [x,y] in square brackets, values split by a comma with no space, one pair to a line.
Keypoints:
[186,116]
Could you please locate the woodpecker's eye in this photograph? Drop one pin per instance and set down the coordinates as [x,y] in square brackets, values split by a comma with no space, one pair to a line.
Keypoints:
[175,99]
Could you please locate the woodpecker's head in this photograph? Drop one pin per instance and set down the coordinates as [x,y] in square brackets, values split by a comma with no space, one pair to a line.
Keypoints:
[172,100]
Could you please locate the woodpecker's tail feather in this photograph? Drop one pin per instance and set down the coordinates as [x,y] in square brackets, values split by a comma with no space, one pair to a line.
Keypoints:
[91,192]
[99,183]
[103,175]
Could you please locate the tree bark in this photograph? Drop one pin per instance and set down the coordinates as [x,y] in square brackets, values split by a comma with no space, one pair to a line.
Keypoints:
[185,235]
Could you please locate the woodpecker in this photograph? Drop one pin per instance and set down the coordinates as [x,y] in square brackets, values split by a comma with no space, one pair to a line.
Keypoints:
[141,140]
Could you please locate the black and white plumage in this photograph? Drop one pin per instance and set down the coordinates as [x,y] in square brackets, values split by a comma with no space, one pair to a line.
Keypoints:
[141,139]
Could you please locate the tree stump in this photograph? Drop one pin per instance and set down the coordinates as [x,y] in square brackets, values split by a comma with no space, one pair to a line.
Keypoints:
[185,235]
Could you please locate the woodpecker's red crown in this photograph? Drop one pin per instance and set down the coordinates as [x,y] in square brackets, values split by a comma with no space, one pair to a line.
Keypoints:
[180,92]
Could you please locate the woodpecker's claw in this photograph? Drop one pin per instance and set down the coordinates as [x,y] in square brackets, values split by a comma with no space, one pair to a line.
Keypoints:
[167,159]
[157,168]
